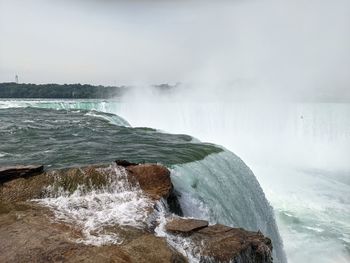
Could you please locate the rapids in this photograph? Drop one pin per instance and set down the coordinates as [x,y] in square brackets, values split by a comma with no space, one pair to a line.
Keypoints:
[298,151]
[212,183]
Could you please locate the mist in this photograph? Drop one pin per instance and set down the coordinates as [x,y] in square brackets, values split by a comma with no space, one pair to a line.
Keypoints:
[250,49]
[254,77]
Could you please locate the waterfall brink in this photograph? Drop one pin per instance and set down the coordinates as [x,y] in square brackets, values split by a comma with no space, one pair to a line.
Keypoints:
[92,208]
[219,188]
[222,189]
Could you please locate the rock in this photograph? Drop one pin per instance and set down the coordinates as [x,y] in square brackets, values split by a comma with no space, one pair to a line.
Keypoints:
[180,225]
[8,173]
[28,234]
[153,179]
[219,243]
[148,248]
[20,189]
[225,244]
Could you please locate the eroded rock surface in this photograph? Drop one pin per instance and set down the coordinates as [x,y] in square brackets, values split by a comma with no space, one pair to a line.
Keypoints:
[219,243]
[30,232]
[153,179]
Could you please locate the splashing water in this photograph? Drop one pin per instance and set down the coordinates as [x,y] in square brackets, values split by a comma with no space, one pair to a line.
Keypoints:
[222,172]
[117,204]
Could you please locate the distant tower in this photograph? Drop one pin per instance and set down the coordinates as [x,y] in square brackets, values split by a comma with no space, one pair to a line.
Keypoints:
[16,78]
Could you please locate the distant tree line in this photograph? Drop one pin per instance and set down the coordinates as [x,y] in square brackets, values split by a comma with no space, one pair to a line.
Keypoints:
[57,91]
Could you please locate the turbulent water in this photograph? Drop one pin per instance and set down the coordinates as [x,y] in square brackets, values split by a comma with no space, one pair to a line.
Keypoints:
[61,138]
[298,151]
[212,182]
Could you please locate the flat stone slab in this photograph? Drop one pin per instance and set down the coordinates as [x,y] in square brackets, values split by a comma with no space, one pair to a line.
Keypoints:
[181,225]
[8,173]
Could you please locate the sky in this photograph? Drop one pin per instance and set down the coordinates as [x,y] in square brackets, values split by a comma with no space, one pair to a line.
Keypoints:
[271,46]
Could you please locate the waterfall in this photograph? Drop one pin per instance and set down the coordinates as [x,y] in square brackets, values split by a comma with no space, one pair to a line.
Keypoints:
[222,189]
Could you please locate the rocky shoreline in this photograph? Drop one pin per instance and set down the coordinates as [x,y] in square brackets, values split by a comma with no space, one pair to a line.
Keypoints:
[34,231]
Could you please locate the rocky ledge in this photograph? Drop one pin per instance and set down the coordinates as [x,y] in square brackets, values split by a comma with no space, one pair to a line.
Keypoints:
[219,243]
[32,231]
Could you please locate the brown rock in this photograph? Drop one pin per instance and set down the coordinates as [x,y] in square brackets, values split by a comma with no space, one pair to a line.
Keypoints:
[28,234]
[22,189]
[225,244]
[8,173]
[153,179]
[180,225]
[219,243]
[149,248]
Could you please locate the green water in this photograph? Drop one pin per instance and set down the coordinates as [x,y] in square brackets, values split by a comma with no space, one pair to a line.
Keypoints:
[62,138]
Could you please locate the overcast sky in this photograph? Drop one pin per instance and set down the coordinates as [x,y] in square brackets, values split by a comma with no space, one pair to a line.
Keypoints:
[264,44]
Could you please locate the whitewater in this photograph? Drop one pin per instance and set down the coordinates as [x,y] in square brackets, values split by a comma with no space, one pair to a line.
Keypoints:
[299,153]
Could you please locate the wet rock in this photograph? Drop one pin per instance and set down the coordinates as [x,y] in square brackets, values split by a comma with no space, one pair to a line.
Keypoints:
[8,173]
[219,243]
[23,189]
[33,187]
[31,233]
[225,244]
[149,248]
[28,234]
[153,179]
[185,226]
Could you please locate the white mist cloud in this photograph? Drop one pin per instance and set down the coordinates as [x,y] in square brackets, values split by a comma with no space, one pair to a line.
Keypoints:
[299,46]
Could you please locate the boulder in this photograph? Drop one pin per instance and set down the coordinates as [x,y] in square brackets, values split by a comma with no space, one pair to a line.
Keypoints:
[219,243]
[225,244]
[153,179]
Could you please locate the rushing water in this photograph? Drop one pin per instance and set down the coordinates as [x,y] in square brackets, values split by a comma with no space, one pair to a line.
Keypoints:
[212,182]
[61,138]
[298,151]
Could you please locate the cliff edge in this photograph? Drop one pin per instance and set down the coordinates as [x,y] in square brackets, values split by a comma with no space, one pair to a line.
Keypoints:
[110,213]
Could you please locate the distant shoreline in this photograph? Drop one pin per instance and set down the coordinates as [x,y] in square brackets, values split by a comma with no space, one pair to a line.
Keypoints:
[12,90]
[58,91]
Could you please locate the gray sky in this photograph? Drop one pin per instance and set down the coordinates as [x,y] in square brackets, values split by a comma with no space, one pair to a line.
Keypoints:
[285,45]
